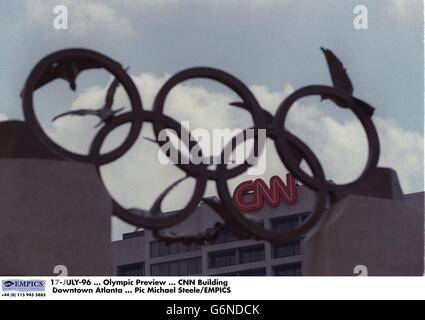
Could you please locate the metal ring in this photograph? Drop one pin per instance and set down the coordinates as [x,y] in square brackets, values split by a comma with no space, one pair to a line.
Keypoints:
[96,60]
[164,221]
[291,149]
[318,183]
[228,80]
[239,219]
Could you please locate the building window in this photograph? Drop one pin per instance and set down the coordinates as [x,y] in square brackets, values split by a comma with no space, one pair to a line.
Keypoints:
[285,223]
[225,236]
[253,272]
[134,269]
[161,248]
[286,249]
[289,222]
[154,245]
[185,267]
[288,270]
[228,274]
[304,216]
[245,273]
[132,235]
[220,259]
[251,254]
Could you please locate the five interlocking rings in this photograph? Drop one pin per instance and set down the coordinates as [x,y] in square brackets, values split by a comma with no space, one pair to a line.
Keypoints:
[291,150]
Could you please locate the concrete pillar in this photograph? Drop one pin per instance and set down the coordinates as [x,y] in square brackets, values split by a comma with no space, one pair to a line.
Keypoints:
[53,212]
[385,236]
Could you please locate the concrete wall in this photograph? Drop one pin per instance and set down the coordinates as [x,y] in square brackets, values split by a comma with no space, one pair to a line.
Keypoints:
[53,213]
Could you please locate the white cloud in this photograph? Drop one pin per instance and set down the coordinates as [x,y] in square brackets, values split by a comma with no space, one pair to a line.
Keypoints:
[138,178]
[139,168]
[341,146]
[402,8]
[3,117]
[402,150]
[87,19]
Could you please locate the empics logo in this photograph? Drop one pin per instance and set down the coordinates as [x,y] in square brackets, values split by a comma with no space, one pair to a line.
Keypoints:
[23,285]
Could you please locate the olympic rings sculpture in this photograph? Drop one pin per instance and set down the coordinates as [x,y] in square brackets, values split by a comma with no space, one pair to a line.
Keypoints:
[67,64]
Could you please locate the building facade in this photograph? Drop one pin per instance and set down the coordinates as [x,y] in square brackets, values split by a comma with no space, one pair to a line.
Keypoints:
[139,253]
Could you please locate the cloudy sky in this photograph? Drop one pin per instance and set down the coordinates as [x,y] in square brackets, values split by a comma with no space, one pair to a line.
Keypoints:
[271,45]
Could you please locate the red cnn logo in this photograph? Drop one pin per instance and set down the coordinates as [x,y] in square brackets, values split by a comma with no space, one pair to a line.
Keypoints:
[260,193]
